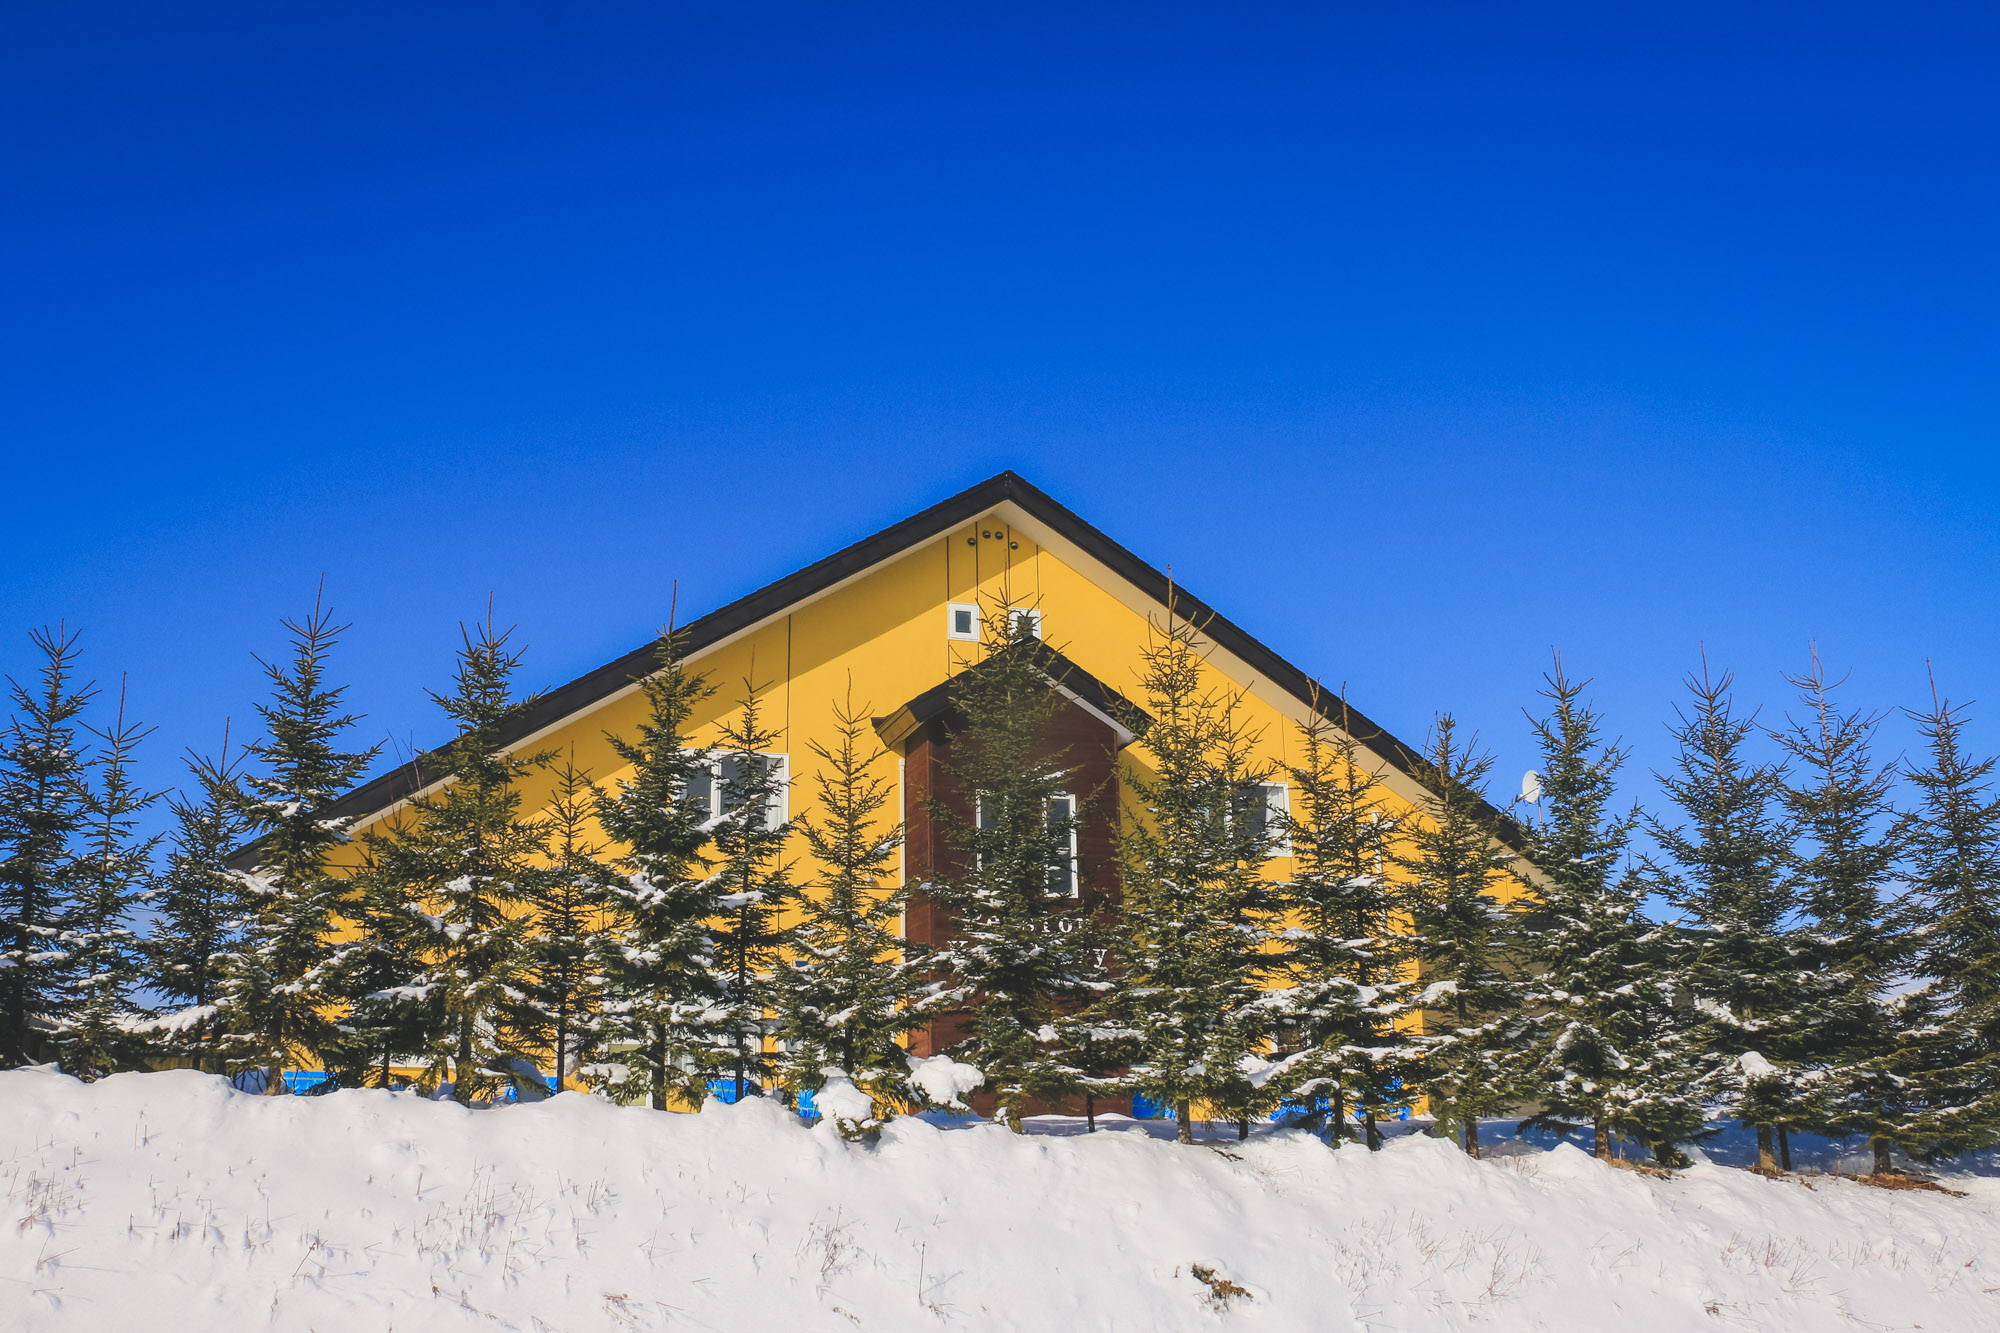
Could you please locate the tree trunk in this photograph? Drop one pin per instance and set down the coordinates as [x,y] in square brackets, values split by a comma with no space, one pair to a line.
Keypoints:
[1600,1142]
[1767,1161]
[1472,1136]
[659,1071]
[461,1089]
[1242,1128]
[1089,1113]
[1374,1132]
[562,1038]
[385,1066]
[1183,1123]
[1883,1166]
[1339,1114]
[1784,1148]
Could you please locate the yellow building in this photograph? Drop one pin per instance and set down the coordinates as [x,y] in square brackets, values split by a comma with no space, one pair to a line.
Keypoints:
[897,615]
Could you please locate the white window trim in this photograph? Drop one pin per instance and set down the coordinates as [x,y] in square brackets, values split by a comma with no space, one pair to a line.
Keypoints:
[1032,614]
[1075,865]
[951,610]
[782,797]
[1282,845]
[1075,870]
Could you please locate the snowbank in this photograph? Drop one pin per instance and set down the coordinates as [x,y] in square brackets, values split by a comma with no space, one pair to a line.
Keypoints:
[168,1201]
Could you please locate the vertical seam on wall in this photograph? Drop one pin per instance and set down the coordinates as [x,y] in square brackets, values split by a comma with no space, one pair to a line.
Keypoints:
[788,684]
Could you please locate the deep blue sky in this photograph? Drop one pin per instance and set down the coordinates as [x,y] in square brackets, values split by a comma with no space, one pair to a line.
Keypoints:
[1418,339]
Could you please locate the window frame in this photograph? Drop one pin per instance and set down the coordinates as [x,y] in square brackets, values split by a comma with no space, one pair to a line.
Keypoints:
[1075,890]
[1075,869]
[1282,807]
[781,798]
[951,613]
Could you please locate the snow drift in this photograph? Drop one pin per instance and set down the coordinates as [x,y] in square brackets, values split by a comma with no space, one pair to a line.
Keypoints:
[168,1201]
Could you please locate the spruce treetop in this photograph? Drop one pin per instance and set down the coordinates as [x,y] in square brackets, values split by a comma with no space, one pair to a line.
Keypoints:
[44,800]
[304,770]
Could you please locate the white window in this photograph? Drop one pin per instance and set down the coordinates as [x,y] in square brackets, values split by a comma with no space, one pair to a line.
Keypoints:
[1062,880]
[962,621]
[710,787]
[1062,824]
[1267,806]
[1032,616]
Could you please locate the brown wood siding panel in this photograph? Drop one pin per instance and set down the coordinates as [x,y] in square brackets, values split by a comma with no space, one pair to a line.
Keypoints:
[1089,747]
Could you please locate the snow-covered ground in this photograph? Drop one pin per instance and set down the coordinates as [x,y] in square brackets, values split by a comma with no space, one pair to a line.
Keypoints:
[167,1201]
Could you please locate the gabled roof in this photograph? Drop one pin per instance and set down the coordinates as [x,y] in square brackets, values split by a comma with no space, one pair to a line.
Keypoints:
[1126,720]
[821,576]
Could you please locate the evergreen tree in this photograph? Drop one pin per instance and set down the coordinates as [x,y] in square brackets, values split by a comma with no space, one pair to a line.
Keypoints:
[276,988]
[1954,856]
[1740,969]
[1196,907]
[200,905]
[1343,956]
[660,1002]
[395,1012]
[1467,944]
[44,800]
[103,957]
[464,857]
[1006,958]
[1097,1044]
[855,987]
[754,886]
[1241,1086]
[571,900]
[1605,1052]
[1848,844]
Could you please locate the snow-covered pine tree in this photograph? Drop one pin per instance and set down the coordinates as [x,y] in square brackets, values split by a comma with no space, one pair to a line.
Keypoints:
[1954,860]
[1241,1086]
[104,961]
[1344,957]
[571,901]
[1006,959]
[1606,1051]
[1724,871]
[755,888]
[275,995]
[1097,1044]
[463,858]
[1847,842]
[659,1008]
[1467,946]
[380,971]
[1196,906]
[199,905]
[44,795]
[854,986]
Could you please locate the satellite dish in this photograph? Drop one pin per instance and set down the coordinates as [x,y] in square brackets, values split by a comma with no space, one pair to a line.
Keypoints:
[1531,788]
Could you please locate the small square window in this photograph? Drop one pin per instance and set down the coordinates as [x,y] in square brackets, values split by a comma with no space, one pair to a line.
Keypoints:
[962,621]
[1032,617]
